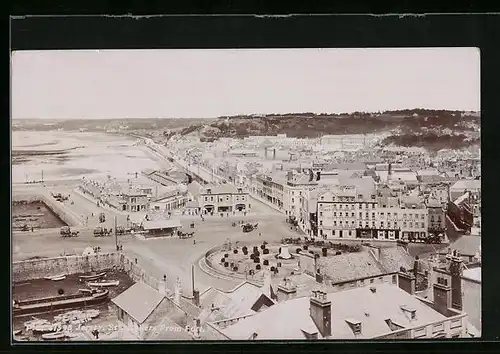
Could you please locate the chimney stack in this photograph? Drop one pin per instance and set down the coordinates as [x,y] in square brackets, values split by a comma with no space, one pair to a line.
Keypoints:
[286,290]
[265,153]
[442,296]
[456,271]
[274,154]
[177,291]
[320,310]
[289,175]
[415,267]
[406,282]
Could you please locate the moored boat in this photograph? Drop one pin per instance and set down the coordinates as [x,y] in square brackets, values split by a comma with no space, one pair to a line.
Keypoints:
[104,283]
[17,331]
[91,277]
[49,304]
[55,335]
[43,328]
[56,277]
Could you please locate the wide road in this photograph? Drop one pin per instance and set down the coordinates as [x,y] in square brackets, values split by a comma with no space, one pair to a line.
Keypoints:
[171,256]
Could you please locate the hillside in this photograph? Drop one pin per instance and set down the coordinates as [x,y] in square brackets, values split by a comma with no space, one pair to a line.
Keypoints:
[406,128]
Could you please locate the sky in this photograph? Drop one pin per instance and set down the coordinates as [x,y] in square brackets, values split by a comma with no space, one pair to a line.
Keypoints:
[212,83]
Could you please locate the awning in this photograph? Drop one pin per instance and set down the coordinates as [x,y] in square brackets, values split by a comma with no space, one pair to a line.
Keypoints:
[161,224]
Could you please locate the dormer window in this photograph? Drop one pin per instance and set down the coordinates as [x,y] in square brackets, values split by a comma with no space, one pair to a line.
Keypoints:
[392,325]
[209,191]
[409,311]
[355,325]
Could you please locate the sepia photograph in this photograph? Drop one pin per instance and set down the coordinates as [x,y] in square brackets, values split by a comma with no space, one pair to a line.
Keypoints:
[245,194]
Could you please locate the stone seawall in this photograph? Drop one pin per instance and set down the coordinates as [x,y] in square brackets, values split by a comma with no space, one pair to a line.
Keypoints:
[40,268]
[44,267]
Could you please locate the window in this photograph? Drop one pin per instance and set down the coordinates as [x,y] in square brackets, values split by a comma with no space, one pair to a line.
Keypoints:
[394,279]
[423,217]
[293,201]
[334,213]
[371,281]
[211,199]
[340,214]
[320,213]
[300,193]
[423,225]
[404,216]
[360,215]
[334,222]
[360,206]
[382,214]
[373,215]
[321,222]
[404,224]
[352,214]
[206,199]
[349,232]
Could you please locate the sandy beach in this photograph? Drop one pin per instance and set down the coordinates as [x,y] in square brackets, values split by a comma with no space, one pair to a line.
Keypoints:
[86,154]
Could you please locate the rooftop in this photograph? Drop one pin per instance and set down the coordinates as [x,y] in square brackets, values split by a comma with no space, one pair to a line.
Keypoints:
[474,274]
[467,184]
[286,320]
[161,224]
[138,301]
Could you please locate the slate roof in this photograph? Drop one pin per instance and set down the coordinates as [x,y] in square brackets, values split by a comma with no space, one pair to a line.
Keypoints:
[286,320]
[349,266]
[235,303]
[139,301]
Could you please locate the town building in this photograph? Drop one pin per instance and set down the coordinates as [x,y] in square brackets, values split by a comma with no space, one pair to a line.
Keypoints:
[460,212]
[437,216]
[147,318]
[175,198]
[270,188]
[358,313]
[223,198]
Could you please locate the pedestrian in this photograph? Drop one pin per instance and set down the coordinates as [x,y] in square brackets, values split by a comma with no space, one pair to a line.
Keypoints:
[97,333]
[32,229]
[194,241]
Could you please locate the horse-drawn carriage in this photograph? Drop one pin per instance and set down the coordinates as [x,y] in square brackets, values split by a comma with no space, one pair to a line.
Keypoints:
[66,232]
[249,227]
[182,234]
[99,231]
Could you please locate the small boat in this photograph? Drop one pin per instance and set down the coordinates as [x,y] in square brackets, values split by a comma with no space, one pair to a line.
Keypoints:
[92,313]
[17,331]
[104,283]
[44,328]
[56,277]
[55,335]
[86,291]
[91,277]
